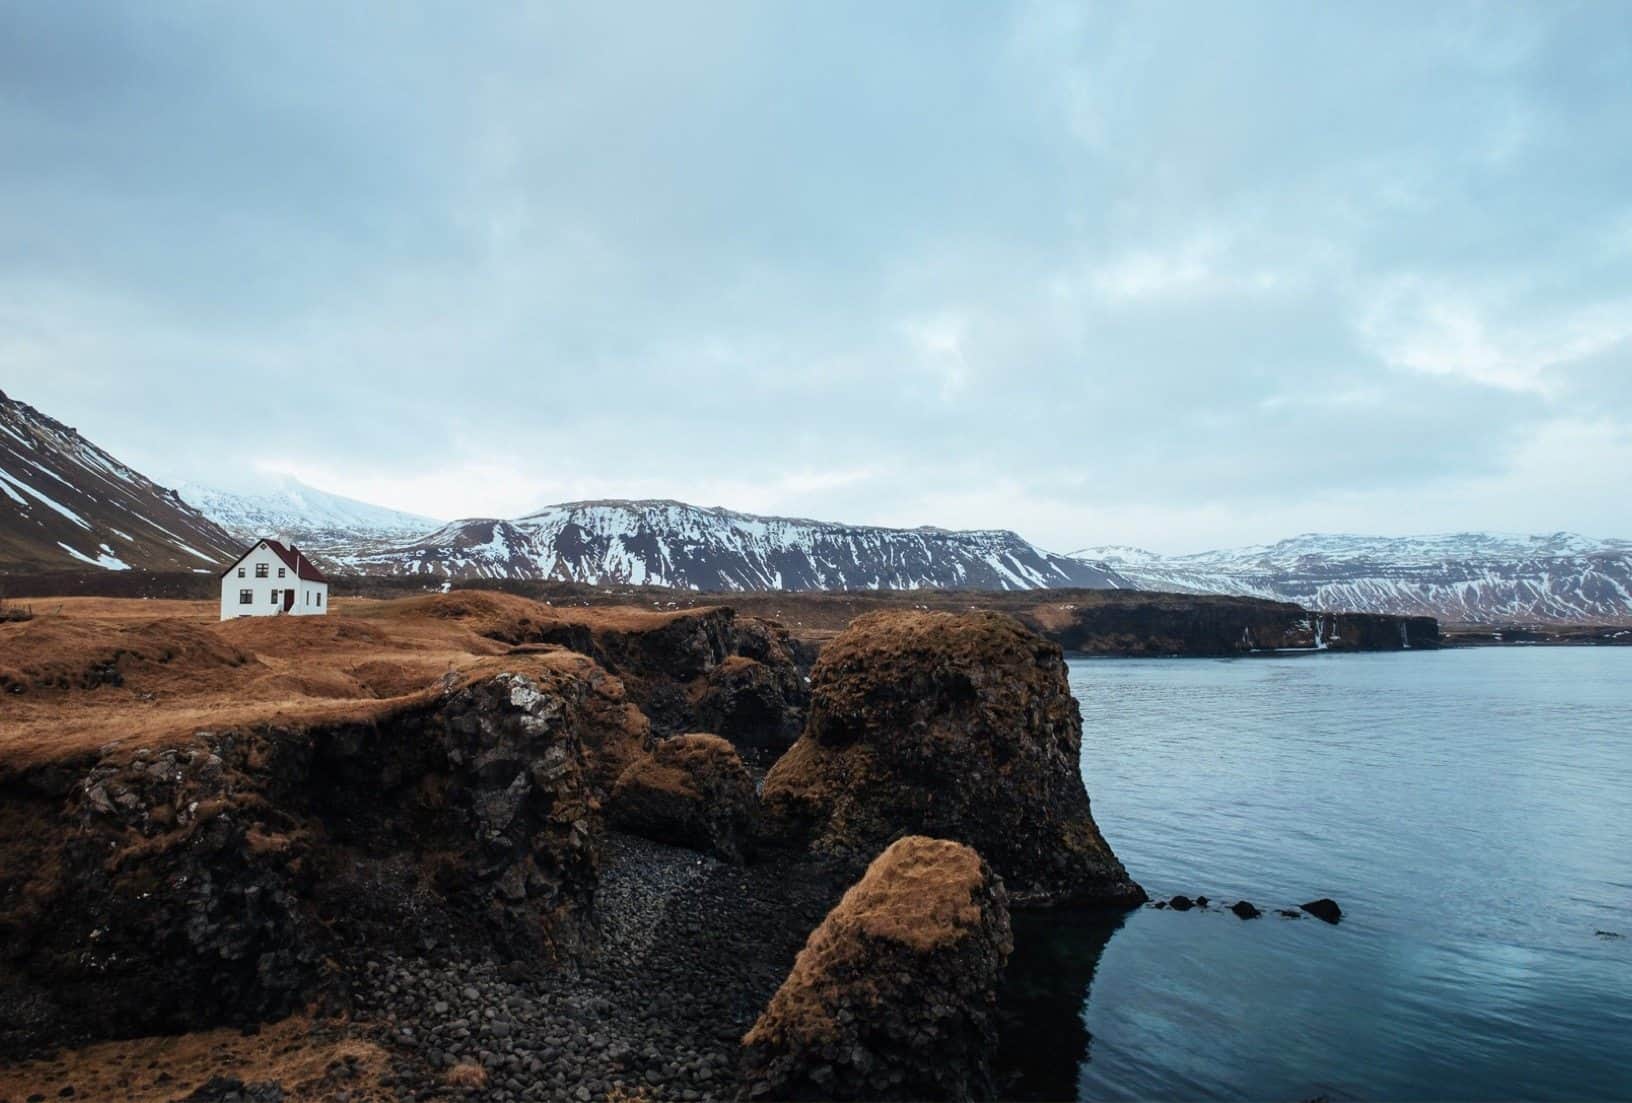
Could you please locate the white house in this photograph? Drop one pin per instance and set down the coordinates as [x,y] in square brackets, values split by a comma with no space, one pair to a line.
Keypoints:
[269,580]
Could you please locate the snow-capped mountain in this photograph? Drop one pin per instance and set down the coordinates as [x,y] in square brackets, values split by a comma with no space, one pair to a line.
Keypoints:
[286,508]
[661,543]
[1471,577]
[67,504]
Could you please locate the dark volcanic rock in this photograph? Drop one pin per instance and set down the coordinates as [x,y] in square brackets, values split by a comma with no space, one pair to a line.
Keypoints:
[197,886]
[693,791]
[1124,623]
[1181,903]
[1245,909]
[961,727]
[752,704]
[700,669]
[230,1089]
[1324,908]
[894,995]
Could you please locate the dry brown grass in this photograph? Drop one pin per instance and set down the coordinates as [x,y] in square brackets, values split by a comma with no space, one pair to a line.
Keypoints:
[465,1075]
[180,670]
[919,894]
[301,1054]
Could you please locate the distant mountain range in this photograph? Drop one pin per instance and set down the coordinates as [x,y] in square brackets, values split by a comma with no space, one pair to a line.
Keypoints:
[289,509]
[662,543]
[66,504]
[1472,577]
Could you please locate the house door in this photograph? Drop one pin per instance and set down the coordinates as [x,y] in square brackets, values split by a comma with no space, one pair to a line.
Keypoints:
[288,600]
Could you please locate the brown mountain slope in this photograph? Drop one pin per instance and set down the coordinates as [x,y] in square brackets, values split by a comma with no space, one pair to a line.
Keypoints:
[66,503]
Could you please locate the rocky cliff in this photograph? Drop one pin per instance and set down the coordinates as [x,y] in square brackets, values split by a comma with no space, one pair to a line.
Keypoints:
[171,889]
[962,727]
[894,995]
[1178,624]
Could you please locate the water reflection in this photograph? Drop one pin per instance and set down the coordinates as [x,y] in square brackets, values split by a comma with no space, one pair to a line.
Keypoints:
[1044,1038]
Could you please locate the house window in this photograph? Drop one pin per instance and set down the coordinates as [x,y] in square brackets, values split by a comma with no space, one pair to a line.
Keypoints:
[245,597]
[240,572]
[260,570]
[274,597]
[320,599]
[280,572]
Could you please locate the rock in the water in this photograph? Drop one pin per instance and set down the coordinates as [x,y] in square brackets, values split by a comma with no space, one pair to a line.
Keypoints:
[692,790]
[1181,903]
[894,995]
[961,727]
[1245,909]
[1324,908]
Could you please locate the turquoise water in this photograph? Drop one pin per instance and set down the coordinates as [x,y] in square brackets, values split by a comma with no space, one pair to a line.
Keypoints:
[1471,810]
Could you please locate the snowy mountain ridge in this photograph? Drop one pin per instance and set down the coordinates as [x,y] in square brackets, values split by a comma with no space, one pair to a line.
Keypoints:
[669,543]
[1467,577]
[286,508]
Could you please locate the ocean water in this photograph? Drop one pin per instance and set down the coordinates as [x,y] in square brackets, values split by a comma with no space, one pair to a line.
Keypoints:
[1470,810]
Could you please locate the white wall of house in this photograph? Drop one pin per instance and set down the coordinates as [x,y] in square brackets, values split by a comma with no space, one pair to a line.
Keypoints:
[262,576]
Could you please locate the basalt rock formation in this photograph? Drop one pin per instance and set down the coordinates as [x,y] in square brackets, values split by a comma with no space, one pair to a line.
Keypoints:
[692,790]
[757,705]
[1208,624]
[894,995]
[701,669]
[169,889]
[958,726]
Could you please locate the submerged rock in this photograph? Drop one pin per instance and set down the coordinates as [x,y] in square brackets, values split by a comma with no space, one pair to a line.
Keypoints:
[958,726]
[894,995]
[1245,909]
[1181,903]
[692,790]
[1324,908]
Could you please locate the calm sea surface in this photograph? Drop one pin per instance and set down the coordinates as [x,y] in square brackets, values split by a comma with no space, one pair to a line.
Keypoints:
[1471,810]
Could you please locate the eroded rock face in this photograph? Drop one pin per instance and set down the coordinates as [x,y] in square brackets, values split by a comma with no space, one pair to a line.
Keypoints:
[757,706]
[693,791]
[697,669]
[894,995]
[196,886]
[958,726]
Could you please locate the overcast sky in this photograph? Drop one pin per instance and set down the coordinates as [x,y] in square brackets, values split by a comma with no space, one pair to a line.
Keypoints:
[1178,276]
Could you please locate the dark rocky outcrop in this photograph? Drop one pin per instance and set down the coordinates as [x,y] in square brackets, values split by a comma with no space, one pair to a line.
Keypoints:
[1204,624]
[703,669]
[692,790]
[1245,909]
[894,995]
[962,727]
[757,706]
[169,889]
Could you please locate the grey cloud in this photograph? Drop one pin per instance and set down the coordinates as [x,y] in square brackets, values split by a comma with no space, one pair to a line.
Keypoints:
[1143,255]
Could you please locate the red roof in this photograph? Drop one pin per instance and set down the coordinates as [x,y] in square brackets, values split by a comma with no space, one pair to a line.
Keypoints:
[295,559]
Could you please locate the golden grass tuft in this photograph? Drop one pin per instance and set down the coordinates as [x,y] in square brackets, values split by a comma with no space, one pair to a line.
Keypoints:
[300,1053]
[465,1074]
[920,894]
